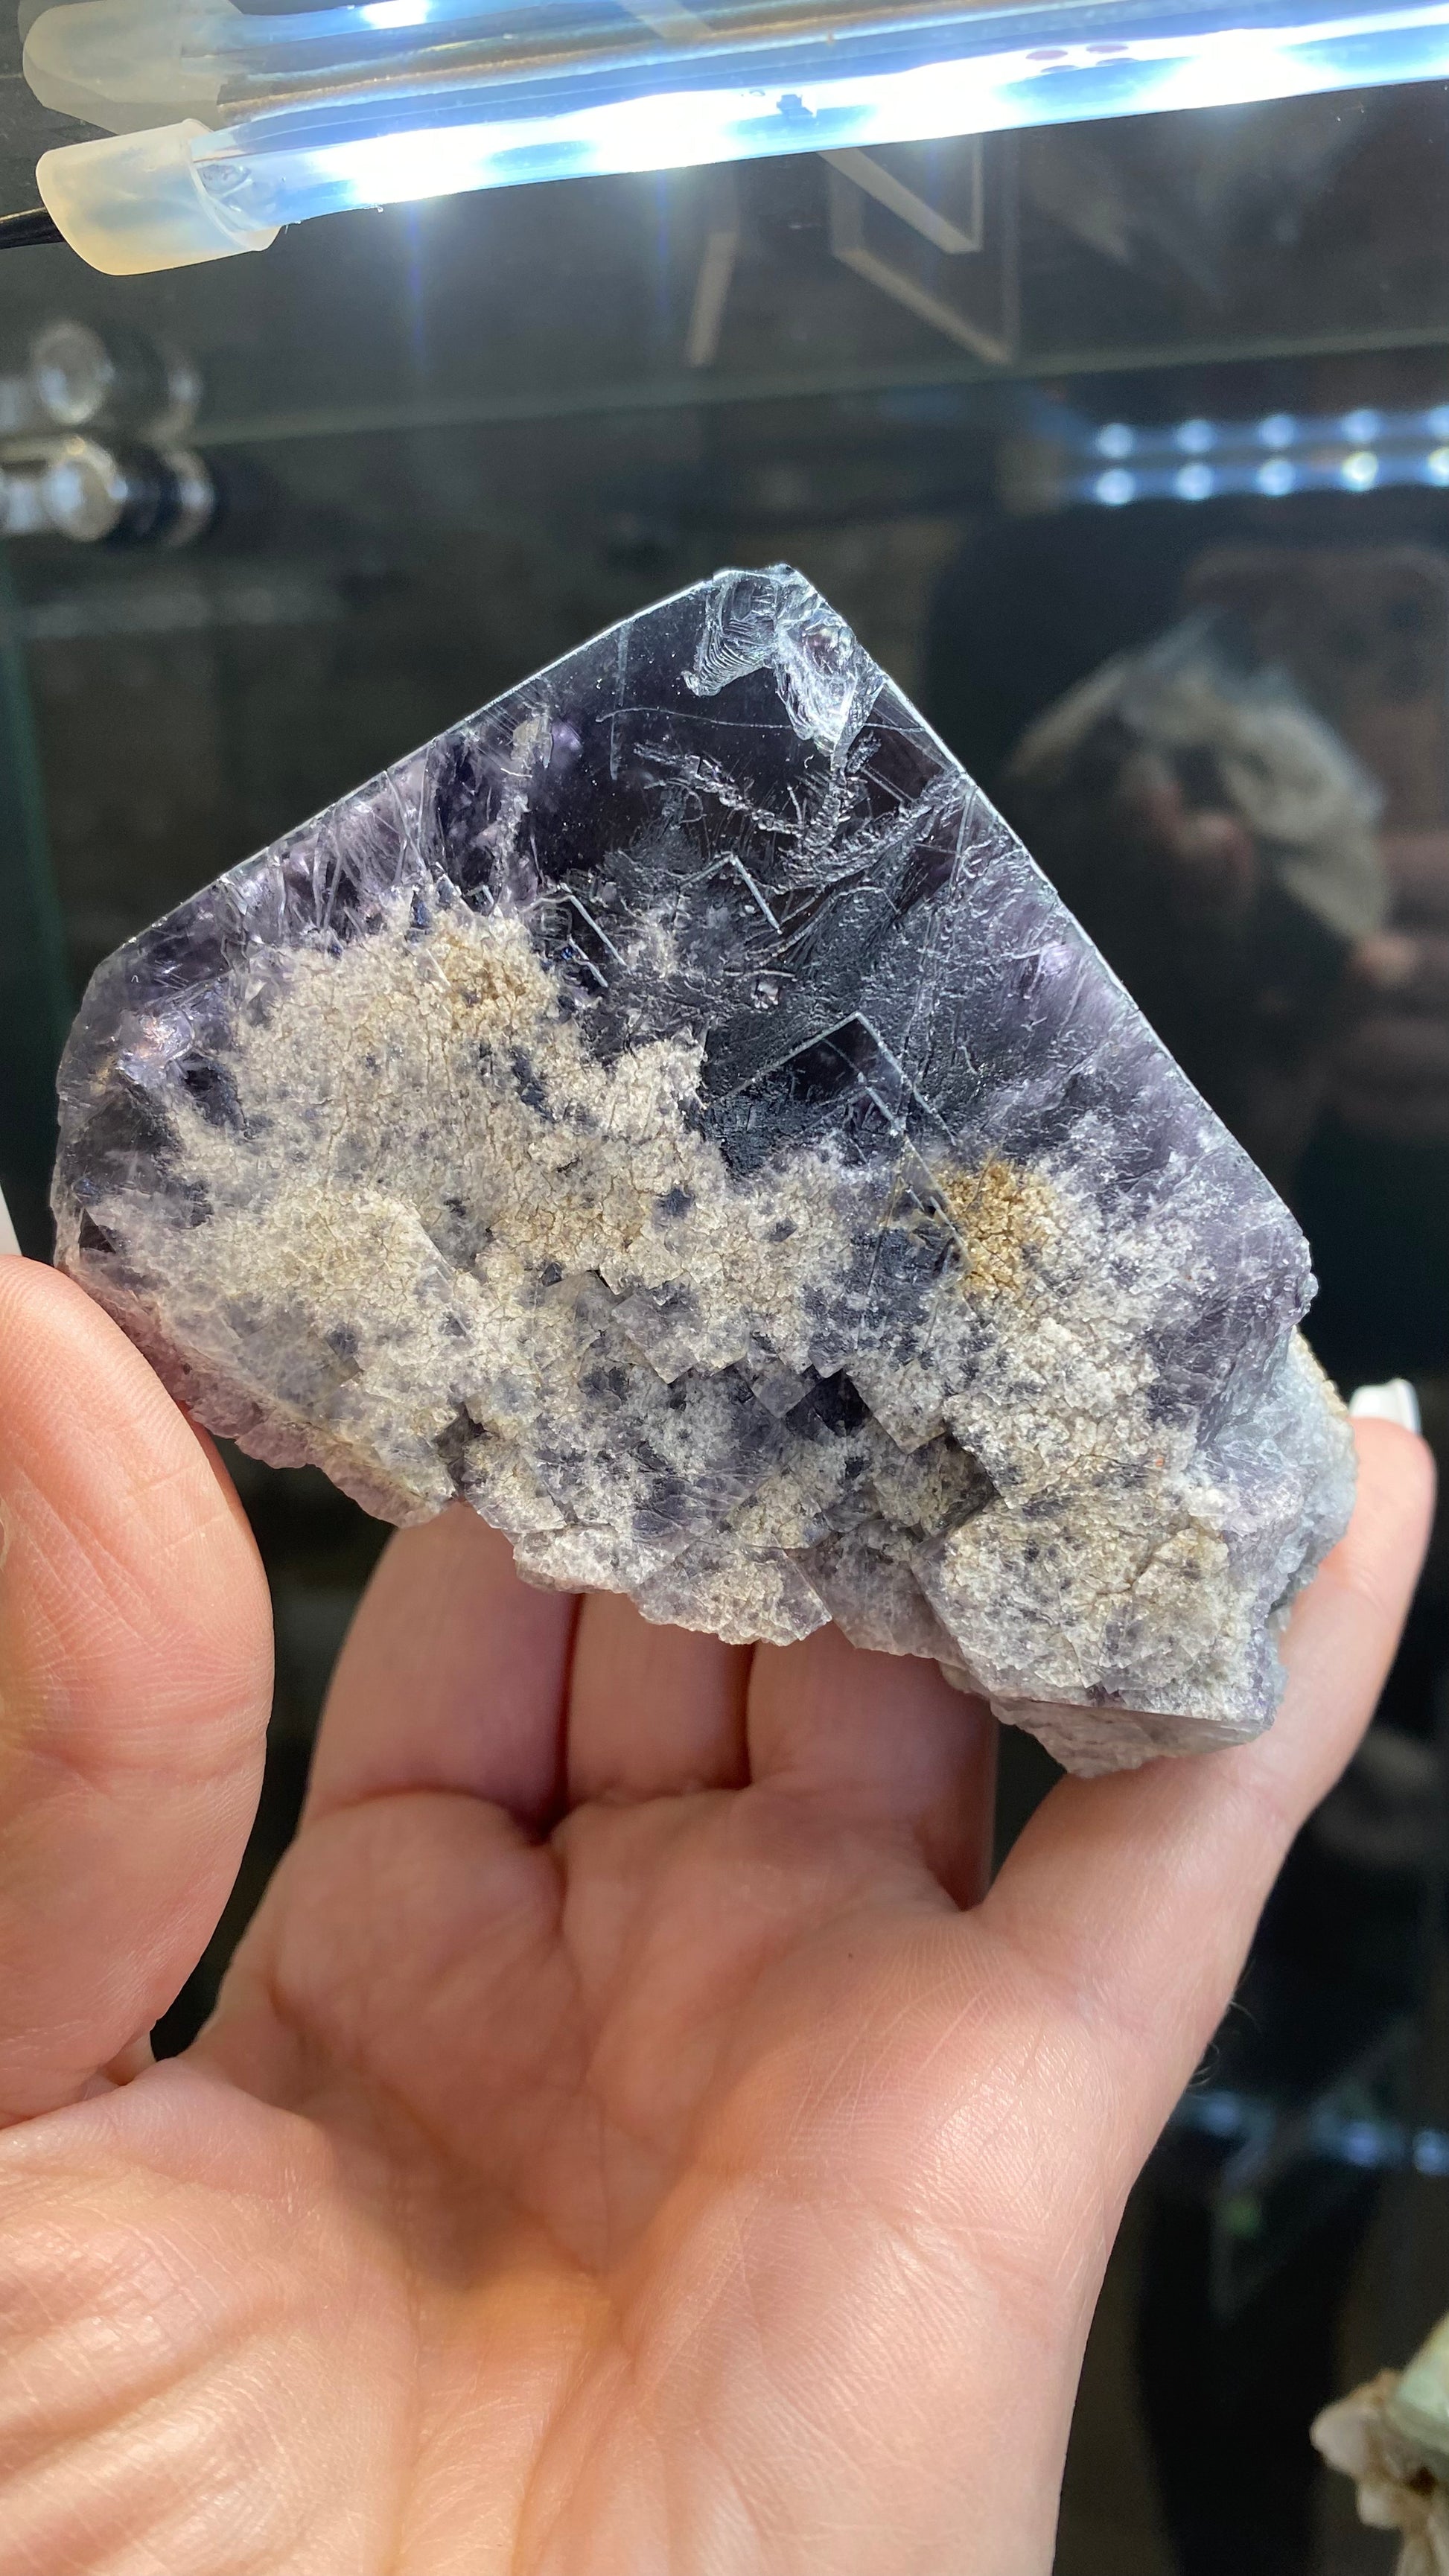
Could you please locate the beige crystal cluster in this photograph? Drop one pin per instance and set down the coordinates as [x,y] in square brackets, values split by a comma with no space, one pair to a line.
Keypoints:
[1391,2436]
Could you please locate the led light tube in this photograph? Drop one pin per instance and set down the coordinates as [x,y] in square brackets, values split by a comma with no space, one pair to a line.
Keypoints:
[291,122]
[1118,462]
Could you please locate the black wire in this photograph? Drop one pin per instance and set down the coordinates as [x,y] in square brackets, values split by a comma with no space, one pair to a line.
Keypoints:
[28,229]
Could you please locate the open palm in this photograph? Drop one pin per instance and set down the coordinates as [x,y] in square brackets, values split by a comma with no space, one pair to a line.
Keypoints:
[628,2144]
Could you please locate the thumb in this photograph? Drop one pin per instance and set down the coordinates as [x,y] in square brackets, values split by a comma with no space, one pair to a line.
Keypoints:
[1136,1897]
[135,1680]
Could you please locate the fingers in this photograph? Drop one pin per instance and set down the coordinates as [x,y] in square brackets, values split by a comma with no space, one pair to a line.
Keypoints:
[1134,1899]
[135,1682]
[1417,864]
[653,1712]
[1410,971]
[1392,1071]
[1207,859]
[881,1741]
[1214,869]
[453,1676]
[457,1675]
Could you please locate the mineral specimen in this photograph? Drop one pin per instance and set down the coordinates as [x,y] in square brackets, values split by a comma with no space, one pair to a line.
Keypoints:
[1392,2437]
[672,1112]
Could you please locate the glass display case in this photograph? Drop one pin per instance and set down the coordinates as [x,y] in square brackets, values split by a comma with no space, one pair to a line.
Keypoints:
[1119,431]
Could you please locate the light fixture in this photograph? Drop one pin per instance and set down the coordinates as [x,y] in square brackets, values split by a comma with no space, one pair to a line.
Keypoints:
[223,124]
[1356,451]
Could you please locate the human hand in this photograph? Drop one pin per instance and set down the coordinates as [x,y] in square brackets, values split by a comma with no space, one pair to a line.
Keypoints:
[1240,985]
[626,2145]
[1204,866]
[1392,1070]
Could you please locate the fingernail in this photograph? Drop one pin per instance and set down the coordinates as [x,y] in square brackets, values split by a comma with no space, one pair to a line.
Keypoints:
[8,1240]
[1395,1401]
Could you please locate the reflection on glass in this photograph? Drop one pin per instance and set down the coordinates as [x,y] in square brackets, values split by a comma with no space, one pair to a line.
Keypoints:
[1220,843]
[1245,798]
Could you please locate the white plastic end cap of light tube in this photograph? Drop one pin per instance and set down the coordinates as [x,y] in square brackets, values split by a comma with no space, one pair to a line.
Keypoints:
[130,204]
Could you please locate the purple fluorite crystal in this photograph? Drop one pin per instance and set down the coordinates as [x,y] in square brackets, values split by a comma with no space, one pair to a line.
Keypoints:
[672,1112]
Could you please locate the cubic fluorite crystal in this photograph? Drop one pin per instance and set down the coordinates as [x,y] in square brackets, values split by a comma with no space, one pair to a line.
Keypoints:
[672,1112]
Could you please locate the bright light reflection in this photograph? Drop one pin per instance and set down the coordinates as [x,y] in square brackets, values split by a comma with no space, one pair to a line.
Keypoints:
[385,168]
[1278,430]
[1239,70]
[1197,436]
[673,131]
[283,182]
[1115,440]
[1362,469]
[1362,425]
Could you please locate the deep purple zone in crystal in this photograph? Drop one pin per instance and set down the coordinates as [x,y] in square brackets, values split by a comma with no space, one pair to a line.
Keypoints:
[936,984]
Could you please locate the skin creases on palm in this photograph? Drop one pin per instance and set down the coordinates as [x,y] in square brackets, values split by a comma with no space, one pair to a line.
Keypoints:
[510,2174]
[629,2142]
